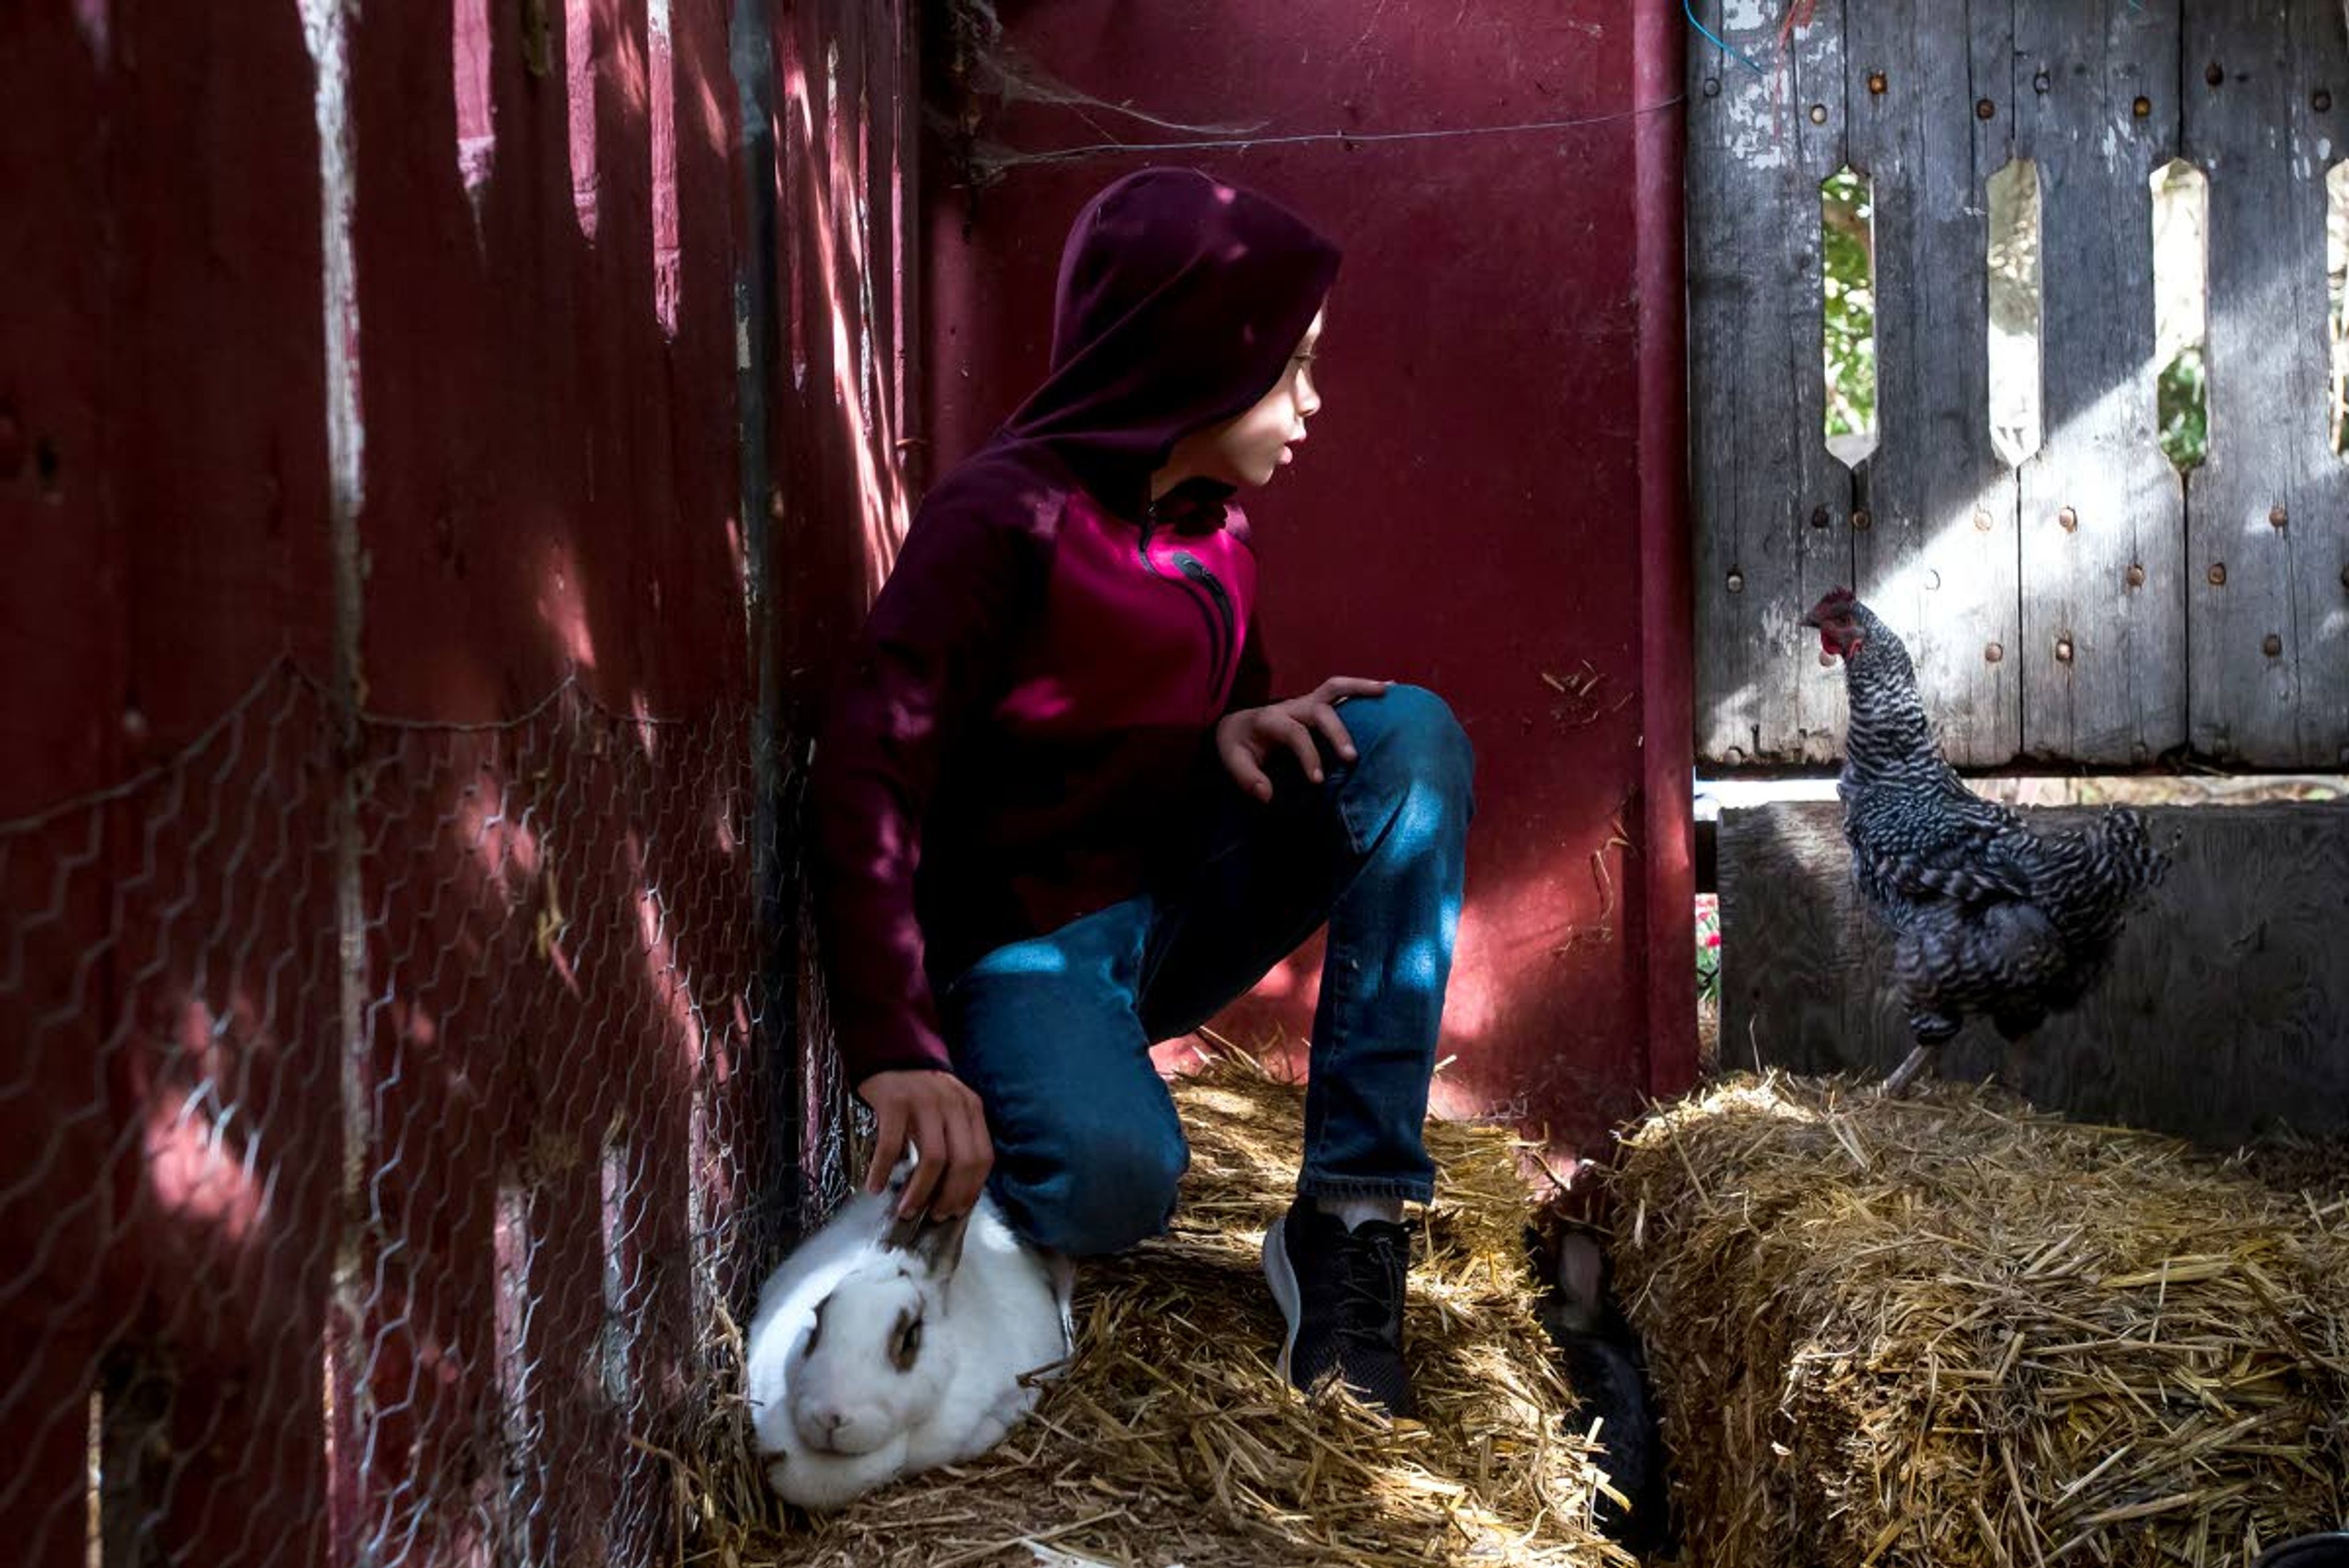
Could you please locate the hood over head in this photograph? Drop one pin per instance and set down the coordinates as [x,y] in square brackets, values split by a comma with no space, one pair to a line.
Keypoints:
[1181,299]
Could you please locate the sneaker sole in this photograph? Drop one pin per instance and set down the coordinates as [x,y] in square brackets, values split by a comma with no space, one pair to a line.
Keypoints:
[1282,1277]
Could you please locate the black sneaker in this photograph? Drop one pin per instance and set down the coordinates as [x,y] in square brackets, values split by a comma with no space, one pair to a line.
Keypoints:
[1342,1292]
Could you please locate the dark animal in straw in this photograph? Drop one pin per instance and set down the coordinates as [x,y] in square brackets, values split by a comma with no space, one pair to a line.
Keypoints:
[1990,918]
[1607,1367]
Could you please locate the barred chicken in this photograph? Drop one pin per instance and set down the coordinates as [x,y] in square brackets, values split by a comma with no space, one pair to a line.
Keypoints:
[1989,919]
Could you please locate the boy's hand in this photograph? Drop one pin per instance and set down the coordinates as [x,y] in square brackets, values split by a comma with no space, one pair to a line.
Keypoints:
[948,1128]
[1244,738]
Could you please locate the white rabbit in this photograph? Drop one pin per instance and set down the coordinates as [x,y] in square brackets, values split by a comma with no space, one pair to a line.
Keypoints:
[883,1348]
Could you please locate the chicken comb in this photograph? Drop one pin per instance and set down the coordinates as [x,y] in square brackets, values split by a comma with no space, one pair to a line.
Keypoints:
[1837,596]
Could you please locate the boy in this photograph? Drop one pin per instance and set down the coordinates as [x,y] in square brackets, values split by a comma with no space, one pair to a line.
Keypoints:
[1058,817]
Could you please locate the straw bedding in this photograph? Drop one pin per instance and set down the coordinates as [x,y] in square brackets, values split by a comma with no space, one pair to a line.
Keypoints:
[1951,1332]
[1169,1441]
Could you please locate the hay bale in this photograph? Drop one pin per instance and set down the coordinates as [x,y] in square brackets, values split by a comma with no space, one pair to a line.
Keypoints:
[1952,1332]
[1172,1441]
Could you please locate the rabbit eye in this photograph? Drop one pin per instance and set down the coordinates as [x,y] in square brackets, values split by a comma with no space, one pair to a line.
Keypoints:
[908,1345]
[815,1330]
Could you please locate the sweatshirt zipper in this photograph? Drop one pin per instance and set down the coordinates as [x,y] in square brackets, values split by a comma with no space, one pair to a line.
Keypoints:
[1213,602]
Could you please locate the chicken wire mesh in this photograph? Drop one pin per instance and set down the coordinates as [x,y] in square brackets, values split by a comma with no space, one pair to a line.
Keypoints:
[385,1113]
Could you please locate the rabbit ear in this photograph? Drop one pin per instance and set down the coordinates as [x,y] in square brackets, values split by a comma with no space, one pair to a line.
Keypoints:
[1581,1270]
[936,1245]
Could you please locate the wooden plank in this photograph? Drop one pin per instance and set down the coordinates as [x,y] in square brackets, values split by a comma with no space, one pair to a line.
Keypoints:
[2227,1005]
[64,635]
[2268,619]
[2318,534]
[2103,511]
[1940,559]
[1772,507]
[219,1020]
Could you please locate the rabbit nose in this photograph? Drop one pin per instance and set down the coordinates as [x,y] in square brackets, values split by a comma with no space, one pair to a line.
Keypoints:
[821,1427]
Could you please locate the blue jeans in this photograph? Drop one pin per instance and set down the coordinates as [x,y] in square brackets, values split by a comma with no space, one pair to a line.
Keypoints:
[1054,1033]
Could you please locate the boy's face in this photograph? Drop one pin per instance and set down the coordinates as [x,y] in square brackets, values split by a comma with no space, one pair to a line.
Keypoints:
[1249,450]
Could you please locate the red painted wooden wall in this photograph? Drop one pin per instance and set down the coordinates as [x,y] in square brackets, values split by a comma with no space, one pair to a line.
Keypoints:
[442,450]
[433,440]
[1491,502]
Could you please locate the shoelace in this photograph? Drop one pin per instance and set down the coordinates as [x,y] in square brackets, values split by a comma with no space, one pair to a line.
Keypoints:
[1366,1292]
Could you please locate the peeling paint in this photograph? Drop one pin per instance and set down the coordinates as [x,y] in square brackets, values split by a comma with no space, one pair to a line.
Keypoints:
[469,50]
[661,63]
[579,72]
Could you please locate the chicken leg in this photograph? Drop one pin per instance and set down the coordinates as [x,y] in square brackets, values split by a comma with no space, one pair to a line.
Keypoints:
[1924,1059]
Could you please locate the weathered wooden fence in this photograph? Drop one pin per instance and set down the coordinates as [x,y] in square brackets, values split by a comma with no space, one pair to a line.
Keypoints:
[2090,605]
[438,446]
[2226,1012]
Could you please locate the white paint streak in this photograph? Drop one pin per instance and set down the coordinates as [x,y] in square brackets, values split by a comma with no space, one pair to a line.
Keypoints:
[326,30]
[97,23]
[325,27]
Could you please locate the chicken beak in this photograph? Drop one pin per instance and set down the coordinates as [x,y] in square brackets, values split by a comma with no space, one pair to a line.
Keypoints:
[1811,619]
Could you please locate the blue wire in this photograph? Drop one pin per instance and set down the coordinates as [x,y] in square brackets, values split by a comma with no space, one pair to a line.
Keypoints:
[1688,8]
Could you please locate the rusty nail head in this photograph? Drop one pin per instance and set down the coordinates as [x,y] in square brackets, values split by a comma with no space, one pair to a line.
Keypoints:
[2214,73]
[1982,522]
[2141,108]
[2278,516]
[2137,576]
[2042,82]
[1862,519]
[1984,109]
[775,505]
[1818,516]
[1713,87]
[2216,573]
[1818,114]
[2321,102]
[1736,582]
[2068,519]
[2271,645]
[2063,650]
[1876,83]
[134,724]
[1993,652]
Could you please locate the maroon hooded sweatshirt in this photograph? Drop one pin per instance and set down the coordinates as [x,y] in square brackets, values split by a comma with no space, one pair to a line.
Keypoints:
[1025,733]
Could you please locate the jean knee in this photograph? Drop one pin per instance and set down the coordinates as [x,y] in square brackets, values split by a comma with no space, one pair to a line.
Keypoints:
[1106,1187]
[1415,728]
